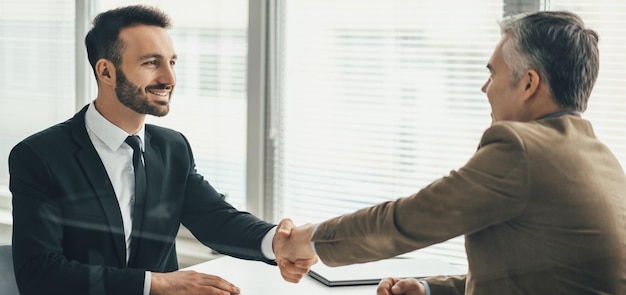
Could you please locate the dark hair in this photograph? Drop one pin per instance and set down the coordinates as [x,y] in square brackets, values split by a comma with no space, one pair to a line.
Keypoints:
[103,41]
[557,45]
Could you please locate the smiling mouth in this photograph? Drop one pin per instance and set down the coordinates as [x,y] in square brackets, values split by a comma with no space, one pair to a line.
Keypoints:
[159,92]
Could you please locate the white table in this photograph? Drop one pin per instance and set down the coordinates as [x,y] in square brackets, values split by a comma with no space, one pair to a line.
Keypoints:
[258,278]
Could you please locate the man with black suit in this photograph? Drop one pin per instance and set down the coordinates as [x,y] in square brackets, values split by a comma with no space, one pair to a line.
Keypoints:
[98,199]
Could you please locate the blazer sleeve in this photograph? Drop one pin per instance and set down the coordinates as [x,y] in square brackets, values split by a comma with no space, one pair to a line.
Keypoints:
[38,252]
[216,223]
[489,189]
[447,285]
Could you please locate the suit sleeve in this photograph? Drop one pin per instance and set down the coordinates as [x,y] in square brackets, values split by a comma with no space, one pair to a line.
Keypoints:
[489,189]
[217,224]
[38,252]
[443,285]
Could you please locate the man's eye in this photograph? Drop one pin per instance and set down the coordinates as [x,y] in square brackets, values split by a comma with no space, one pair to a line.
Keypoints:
[173,63]
[151,62]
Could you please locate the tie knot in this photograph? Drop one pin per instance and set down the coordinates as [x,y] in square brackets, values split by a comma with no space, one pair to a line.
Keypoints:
[134,142]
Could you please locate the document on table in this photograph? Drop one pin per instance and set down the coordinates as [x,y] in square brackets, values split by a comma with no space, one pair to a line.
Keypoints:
[371,273]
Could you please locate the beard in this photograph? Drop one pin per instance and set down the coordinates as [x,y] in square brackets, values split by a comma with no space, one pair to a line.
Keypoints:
[136,99]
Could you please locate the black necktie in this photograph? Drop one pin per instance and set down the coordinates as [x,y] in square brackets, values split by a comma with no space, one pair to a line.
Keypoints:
[140,172]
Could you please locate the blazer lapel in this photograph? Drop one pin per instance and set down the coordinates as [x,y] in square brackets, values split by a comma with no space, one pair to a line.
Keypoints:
[99,179]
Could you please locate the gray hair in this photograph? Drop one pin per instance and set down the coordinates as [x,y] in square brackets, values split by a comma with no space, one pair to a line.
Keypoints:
[557,45]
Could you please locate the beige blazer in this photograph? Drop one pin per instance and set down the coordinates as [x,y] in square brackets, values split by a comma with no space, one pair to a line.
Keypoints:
[542,206]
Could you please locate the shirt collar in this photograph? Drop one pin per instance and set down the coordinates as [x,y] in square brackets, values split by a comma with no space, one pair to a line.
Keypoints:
[112,136]
[558,114]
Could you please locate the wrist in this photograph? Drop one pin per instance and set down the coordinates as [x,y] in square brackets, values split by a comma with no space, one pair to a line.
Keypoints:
[307,236]
[154,283]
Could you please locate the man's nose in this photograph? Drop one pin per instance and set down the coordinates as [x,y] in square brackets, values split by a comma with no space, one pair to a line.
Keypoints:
[484,88]
[167,76]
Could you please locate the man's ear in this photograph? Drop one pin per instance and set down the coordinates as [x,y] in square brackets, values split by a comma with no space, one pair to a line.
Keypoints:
[531,82]
[105,70]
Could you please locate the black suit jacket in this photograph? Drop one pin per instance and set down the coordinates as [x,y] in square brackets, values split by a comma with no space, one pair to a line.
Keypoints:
[68,236]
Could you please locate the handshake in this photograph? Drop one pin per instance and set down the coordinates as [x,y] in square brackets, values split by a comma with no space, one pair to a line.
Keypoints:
[295,256]
[293,249]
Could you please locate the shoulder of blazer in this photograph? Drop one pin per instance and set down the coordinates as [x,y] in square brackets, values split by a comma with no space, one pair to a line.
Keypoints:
[503,132]
[159,131]
[162,137]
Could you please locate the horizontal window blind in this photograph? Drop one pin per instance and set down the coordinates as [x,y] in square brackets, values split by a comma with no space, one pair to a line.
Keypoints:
[380,99]
[37,73]
[209,104]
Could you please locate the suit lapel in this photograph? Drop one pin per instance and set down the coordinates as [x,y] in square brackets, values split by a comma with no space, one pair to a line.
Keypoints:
[99,179]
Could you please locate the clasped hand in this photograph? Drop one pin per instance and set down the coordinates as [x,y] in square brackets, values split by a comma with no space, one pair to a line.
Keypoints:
[393,286]
[293,250]
[295,256]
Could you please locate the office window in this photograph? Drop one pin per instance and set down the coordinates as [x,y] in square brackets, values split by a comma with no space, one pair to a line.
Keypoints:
[37,74]
[380,98]
[209,103]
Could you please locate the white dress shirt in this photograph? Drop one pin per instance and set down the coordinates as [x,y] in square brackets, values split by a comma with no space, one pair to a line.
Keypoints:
[117,157]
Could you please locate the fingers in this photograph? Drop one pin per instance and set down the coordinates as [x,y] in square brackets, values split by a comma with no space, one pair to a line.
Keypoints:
[306,263]
[291,242]
[292,267]
[215,282]
[283,231]
[290,272]
[300,242]
[190,282]
[293,272]
[384,286]
[284,228]
[292,247]
[394,286]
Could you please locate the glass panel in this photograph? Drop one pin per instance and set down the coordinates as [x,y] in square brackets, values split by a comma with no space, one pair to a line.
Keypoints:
[37,73]
[380,99]
[209,105]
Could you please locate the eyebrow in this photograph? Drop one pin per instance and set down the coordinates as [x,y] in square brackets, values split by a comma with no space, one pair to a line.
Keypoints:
[155,55]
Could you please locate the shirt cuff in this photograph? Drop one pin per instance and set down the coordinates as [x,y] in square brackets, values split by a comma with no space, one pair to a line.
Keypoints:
[426,287]
[147,282]
[267,246]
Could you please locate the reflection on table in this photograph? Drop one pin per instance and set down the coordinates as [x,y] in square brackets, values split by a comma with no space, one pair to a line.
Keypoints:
[258,278]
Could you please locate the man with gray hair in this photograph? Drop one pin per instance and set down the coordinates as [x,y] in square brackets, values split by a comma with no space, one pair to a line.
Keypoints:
[541,203]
